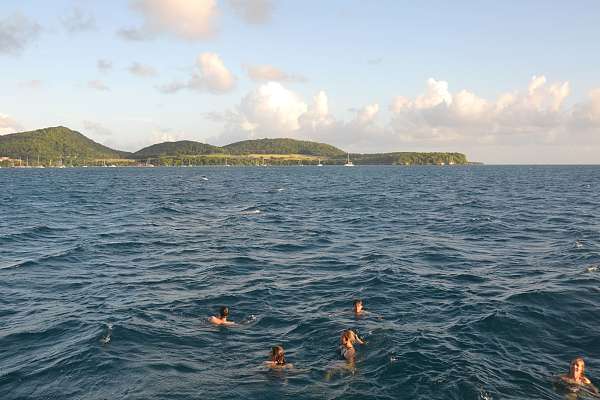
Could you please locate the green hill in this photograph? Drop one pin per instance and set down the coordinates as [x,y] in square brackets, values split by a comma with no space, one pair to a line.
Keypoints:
[407,158]
[180,148]
[283,146]
[53,144]
[59,144]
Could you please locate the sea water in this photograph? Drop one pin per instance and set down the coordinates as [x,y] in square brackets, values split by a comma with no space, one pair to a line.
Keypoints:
[479,281]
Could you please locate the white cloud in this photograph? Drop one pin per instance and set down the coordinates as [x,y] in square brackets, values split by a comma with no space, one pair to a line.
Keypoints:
[211,75]
[271,110]
[317,117]
[78,21]
[367,114]
[267,73]
[437,115]
[98,85]
[16,32]
[585,116]
[253,11]
[8,125]
[185,19]
[142,70]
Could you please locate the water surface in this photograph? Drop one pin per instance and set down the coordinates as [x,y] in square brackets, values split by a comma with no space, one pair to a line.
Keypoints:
[475,277]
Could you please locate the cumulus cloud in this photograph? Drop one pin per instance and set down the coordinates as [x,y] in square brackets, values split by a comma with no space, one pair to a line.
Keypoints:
[437,119]
[585,116]
[253,11]
[185,19]
[16,32]
[104,65]
[211,75]
[98,85]
[78,21]
[438,115]
[271,110]
[268,73]
[8,125]
[142,70]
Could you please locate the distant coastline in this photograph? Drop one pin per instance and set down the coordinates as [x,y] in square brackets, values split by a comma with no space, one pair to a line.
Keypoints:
[62,147]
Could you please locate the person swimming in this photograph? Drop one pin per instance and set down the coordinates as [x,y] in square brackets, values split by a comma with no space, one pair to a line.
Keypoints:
[222,318]
[576,376]
[277,358]
[347,340]
[358,307]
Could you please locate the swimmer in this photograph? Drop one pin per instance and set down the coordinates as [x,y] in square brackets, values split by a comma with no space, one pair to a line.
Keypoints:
[358,307]
[576,376]
[278,358]
[347,344]
[359,311]
[222,318]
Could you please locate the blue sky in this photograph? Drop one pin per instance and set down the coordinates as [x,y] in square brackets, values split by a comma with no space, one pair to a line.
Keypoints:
[504,82]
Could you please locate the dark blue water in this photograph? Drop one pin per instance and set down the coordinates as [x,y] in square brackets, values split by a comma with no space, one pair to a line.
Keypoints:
[475,278]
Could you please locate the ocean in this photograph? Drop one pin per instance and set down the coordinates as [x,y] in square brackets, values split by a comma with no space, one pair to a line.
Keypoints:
[479,281]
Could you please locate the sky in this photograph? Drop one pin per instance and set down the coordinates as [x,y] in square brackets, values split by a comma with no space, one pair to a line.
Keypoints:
[510,82]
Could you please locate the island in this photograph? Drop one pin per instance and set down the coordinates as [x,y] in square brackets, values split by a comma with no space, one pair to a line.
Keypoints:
[61,147]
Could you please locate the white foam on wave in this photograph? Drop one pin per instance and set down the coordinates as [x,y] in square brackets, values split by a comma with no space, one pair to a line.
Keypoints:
[106,338]
[250,212]
[249,319]
[592,268]
[578,244]
[483,395]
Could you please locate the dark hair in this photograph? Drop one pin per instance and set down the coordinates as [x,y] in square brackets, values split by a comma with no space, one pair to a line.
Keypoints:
[224,312]
[357,301]
[277,355]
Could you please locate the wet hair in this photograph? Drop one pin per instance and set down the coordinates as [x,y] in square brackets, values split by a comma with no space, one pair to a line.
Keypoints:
[346,336]
[357,301]
[224,312]
[277,355]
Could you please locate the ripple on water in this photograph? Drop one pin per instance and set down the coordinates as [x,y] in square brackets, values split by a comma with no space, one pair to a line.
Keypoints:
[479,282]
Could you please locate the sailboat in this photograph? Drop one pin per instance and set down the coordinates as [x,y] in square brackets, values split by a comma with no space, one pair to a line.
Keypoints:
[348,162]
[226,164]
[319,164]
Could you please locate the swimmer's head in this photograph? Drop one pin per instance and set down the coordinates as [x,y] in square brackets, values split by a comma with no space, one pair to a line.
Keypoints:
[577,367]
[224,312]
[358,306]
[347,338]
[277,355]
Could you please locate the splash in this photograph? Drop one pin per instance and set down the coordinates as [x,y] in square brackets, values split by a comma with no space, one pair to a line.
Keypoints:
[106,338]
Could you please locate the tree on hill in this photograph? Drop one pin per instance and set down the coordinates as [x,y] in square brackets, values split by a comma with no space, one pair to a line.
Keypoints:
[53,144]
[283,146]
[180,148]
